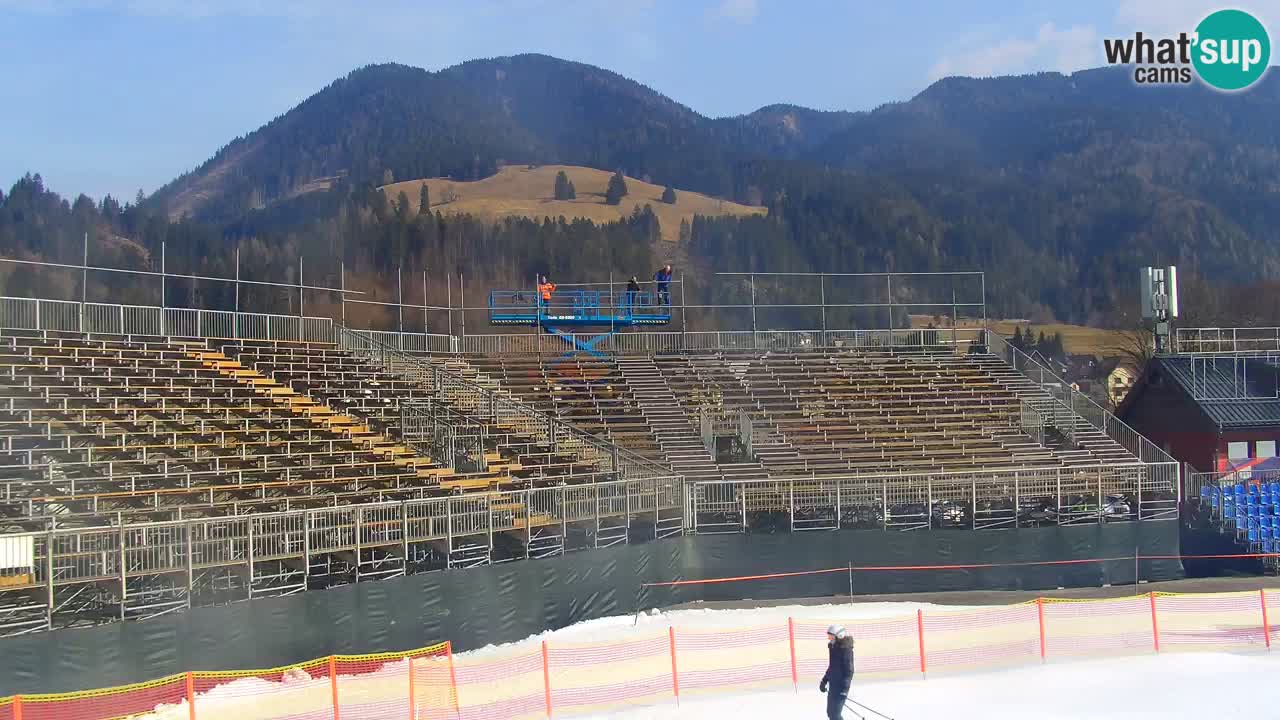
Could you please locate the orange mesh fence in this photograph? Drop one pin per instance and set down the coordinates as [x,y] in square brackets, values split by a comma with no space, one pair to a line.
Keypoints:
[990,636]
[294,692]
[736,659]
[604,677]
[170,693]
[884,647]
[1210,622]
[1121,626]
[652,666]
[500,685]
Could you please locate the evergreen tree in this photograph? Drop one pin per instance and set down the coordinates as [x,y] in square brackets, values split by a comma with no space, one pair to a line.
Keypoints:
[669,195]
[402,205]
[572,193]
[617,189]
[424,199]
[686,233]
[564,188]
[1017,340]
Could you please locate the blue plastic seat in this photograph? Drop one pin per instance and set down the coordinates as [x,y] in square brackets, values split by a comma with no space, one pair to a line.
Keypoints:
[1253,534]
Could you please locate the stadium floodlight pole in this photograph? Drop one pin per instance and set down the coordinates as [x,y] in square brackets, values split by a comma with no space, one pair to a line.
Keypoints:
[400,298]
[462,296]
[684,321]
[237,283]
[342,285]
[424,302]
[301,310]
[448,294]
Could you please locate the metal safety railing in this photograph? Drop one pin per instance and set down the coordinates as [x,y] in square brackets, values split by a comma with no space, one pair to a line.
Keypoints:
[912,501]
[1227,340]
[1071,403]
[153,321]
[438,431]
[471,398]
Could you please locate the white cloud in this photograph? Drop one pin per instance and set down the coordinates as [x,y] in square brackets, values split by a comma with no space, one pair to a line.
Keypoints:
[743,11]
[1064,50]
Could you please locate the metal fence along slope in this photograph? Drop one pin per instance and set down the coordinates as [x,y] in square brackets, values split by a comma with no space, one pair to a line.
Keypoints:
[651,665]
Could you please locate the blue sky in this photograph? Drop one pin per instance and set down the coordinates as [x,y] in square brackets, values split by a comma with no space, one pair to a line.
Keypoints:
[115,95]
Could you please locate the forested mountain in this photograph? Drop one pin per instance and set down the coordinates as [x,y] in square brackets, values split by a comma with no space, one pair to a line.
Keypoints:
[1058,186]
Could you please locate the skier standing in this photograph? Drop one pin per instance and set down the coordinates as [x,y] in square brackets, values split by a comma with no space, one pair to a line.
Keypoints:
[839,675]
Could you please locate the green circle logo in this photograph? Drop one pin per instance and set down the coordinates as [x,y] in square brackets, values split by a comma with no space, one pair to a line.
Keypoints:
[1232,50]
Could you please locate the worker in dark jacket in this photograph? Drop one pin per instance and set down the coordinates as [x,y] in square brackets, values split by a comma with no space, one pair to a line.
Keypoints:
[839,675]
[662,279]
[633,293]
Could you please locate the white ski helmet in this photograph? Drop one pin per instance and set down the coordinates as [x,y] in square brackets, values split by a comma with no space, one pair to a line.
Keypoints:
[836,631]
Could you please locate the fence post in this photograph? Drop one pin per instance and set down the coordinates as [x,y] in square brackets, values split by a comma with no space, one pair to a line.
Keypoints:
[920,635]
[1266,626]
[675,674]
[1040,612]
[791,637]
[333,683]
[453,680]
[412,710]
[546,676]
[1155,625]
[191,695]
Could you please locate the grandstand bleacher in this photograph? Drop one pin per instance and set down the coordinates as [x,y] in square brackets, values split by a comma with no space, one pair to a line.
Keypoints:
[145,474]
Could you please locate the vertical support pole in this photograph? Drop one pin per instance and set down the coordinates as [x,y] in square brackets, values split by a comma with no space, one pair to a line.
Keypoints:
[301,308]
[400,301]
[163,301]
[983,276]
[333,683]
[850,581]
[1137,577]
[888,283]
[462,298]
[546,675]
[17,707]
[1266,626]
[191,696]
[342,289]
[822,300]
[425,329]
[920,635]
[791,638]
[675,673]
[753,310]
[683,321]
[237,283]
[453,679]
[448,294]
[1155,624]
[84,285]
[413,710]
[1040,614]
[955,318]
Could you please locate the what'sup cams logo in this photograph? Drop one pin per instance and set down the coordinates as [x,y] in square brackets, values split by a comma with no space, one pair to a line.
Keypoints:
[1229,50]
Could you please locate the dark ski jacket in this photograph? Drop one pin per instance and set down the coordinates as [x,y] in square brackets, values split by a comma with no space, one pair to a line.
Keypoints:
[839,674]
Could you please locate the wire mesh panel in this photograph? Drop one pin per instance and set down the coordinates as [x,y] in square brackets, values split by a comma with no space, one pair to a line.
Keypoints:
[219,541]
[106,319]
[86,555]
[19,313]
[154,549]
[907,502]
[814,505]
[278,536]
[143,320]
[332,529]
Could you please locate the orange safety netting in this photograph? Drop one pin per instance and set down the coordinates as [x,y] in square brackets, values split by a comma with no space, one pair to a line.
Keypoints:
[649,666]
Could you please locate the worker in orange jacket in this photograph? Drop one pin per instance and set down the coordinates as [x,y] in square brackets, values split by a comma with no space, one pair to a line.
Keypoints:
[545,288]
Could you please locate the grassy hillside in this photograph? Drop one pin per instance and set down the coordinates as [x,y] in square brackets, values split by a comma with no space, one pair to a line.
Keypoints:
[1077,339]
[521,191]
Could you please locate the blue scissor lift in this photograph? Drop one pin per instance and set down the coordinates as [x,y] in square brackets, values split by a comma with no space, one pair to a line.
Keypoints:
[577,309]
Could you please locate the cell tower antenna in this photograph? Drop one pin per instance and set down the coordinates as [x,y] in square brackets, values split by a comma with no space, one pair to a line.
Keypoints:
[1160,301]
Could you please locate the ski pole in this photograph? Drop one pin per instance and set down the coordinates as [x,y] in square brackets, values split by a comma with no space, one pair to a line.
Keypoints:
[855,712]
[868,709]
